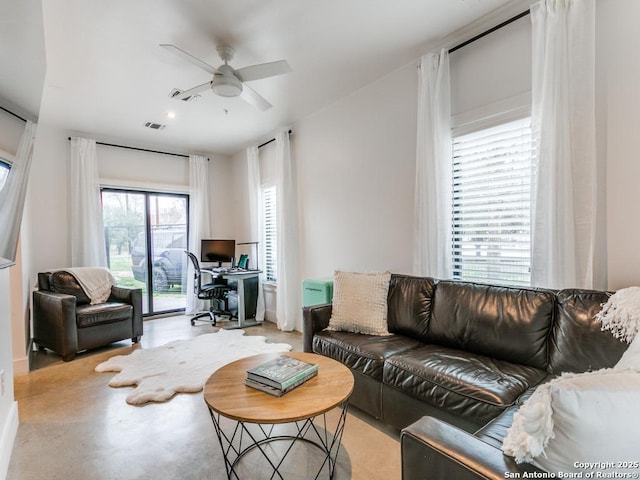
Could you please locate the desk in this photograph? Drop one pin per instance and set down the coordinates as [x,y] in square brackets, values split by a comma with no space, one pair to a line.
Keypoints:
[248,284]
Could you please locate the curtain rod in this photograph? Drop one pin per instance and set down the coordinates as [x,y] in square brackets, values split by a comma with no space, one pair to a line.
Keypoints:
[491,30]
[14,114]
[139,149]
[270,141]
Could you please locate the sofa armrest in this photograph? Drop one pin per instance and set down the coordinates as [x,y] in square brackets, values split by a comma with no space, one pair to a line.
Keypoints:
[54,322]
[133,297]
[433,449]
[315,318]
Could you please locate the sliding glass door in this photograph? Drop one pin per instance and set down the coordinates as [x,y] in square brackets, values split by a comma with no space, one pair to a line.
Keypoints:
[146,235]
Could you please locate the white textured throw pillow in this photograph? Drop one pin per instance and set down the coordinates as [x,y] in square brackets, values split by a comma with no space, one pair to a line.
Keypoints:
[579,423]
[621,314]
[360,302]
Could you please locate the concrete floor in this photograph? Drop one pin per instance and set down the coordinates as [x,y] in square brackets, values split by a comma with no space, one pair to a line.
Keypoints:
[74,426]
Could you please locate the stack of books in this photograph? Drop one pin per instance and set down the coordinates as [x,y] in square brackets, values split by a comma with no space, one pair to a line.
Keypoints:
[280,375]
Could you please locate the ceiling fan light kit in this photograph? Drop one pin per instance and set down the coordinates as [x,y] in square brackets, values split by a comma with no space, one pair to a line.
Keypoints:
[226,87]
[225,83]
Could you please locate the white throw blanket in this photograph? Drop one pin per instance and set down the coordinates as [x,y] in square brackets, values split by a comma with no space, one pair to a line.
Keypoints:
[621,314]
[95,281]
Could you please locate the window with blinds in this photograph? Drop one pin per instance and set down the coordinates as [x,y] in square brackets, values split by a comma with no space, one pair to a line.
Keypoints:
[4,172]
[491,219]
[270,233]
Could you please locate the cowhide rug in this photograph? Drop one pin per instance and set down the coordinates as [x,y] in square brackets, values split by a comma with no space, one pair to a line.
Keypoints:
[182,366]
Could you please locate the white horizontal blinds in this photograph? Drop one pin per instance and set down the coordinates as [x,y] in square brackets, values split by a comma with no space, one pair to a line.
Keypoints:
[491,218]
[270,233]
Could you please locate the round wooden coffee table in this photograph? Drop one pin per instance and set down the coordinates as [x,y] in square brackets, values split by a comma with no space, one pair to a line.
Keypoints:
[226,395]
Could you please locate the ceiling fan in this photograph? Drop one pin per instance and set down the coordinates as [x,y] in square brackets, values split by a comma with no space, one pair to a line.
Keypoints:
[227,81]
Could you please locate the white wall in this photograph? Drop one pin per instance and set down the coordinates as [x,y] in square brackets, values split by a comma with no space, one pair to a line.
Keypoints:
[492,69]
[618,66]
[355,163]
[123,167]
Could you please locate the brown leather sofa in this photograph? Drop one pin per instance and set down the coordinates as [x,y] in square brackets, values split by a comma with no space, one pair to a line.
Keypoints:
[461,359]
[65,321]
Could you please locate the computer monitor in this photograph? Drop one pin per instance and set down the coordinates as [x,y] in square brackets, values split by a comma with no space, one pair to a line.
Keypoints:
[220,251]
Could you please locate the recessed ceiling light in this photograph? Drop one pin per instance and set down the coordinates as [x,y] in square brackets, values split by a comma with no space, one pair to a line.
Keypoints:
[171,114]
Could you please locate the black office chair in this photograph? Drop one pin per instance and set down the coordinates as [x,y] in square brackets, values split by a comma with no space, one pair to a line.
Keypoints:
[213,292]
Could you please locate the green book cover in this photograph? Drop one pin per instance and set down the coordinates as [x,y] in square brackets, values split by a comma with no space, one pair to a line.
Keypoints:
[282,372]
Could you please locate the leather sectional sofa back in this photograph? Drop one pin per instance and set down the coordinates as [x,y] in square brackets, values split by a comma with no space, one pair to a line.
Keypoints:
[551,330]
[510,324]
[577,343]
[409,305]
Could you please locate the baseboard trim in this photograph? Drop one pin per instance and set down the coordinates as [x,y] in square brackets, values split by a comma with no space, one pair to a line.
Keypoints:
[7,439]
[21,365]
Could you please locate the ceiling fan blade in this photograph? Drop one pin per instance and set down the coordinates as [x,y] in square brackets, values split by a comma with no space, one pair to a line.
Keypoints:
[192,91]
[263,70]
[188,57]
[254,98]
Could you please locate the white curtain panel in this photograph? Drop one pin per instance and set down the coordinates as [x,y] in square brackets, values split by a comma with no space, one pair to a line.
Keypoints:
[13,194]
[432,205]
[289,290]
[255,218]
[564,213]
[199,221]
[86,224]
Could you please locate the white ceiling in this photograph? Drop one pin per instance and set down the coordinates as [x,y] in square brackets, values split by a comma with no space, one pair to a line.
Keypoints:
[106,75]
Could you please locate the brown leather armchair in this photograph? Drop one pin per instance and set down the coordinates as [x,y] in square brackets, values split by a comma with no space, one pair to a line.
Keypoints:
[65,321]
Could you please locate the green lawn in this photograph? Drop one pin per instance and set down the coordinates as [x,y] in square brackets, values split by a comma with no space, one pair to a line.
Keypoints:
[120,267]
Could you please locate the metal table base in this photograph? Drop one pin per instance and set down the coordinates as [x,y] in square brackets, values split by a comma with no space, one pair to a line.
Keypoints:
[240,440]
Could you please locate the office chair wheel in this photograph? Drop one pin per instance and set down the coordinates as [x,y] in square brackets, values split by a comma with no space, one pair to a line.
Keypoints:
[201,316]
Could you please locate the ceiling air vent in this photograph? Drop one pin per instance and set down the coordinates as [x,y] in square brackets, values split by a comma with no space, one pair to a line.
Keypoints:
[176,92]
[155,126]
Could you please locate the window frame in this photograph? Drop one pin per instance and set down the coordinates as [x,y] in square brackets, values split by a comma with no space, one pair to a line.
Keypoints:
[487,117]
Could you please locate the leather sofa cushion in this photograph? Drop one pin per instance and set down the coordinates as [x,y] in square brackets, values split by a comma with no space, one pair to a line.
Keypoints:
[461,383]
[92,315]
[494,432]
[409,305]
[64,282]
[506,323]
[363,353]
[578,343]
